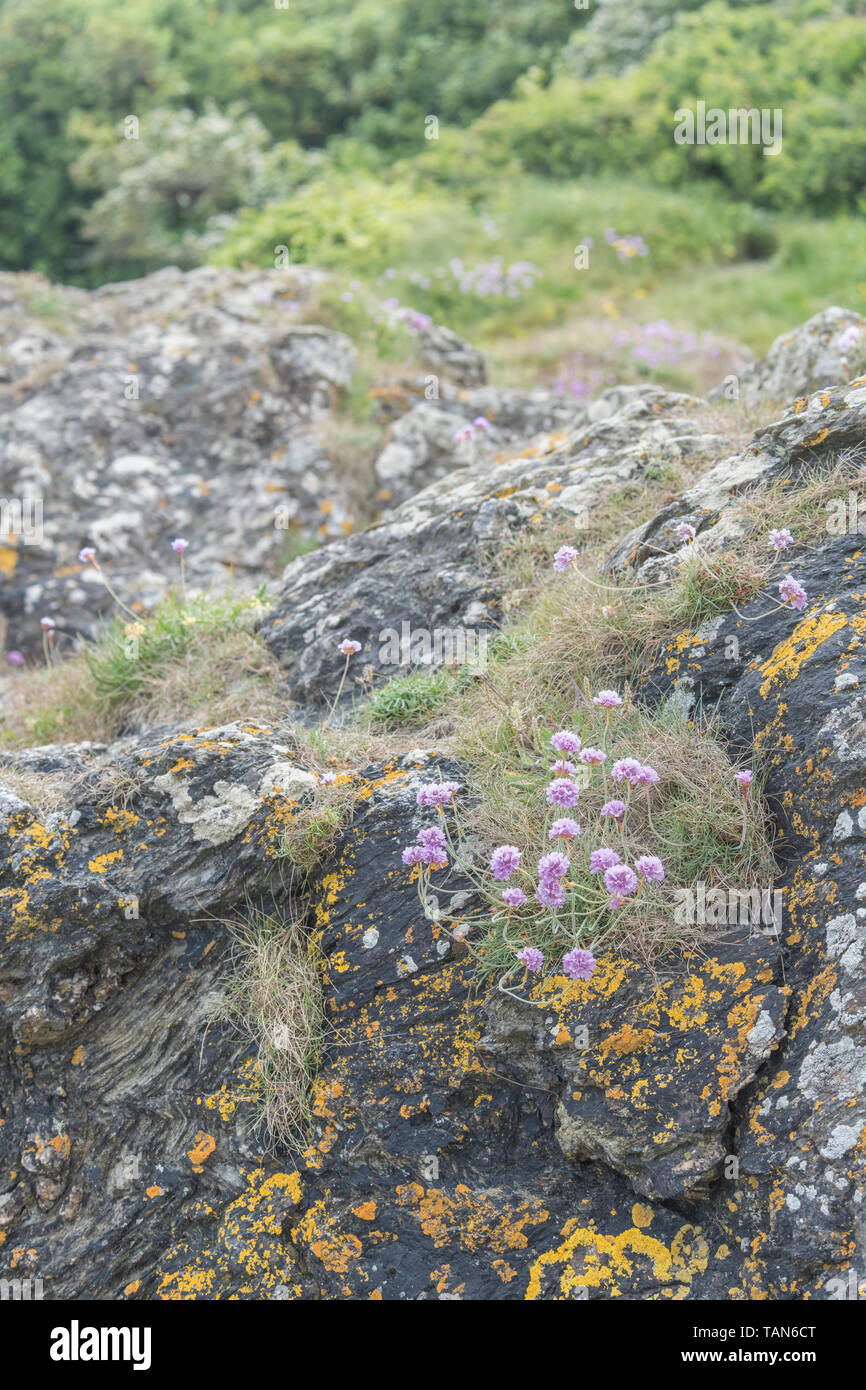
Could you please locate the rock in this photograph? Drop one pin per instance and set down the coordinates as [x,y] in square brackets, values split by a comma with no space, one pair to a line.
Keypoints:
[809,358]
[451,356]
[188,405]
[431,562]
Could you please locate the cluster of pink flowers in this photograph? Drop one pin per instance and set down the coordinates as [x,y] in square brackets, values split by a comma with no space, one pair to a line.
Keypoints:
[436,793]
[467,432]
[792,592]
[430,848]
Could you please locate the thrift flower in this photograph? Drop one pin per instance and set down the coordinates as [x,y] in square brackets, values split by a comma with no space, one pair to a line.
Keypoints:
[652,868]
[348,647]
[532,958]
[564,557]
[550,893]
[87,555]
[432,838]
[794,593]
[607,699]
[553,865]
[464,434]
[504,861]
[849,338]
[685,532]
[481,422]
[602,859]
[593,755]
[563,793]
[15,658]
[413,854]
[564,766]
[566,742]
[620,879]
[780,539]
[47,624]
[613,808]
[579,964]
[513,897]
[436,793]
[647,777]
[563,829]
[626,769]
[179,546]
[744,779]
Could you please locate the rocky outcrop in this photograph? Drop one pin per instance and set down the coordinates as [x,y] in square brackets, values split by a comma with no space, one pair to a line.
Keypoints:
[691,1131]
[818,354]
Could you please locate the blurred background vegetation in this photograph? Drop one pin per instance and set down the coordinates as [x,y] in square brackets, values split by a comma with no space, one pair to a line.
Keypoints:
[307,127]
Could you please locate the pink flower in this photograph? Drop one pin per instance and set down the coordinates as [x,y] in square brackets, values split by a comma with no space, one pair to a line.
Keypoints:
[532,958]
[348,647]
[607,699]
[626,769]
[413,854]
[563,829]
[550,893]
[86,555]
[621,880]
[793,593]
[647,777]
[578,964]
[562,792]
[613,808]
[593,755]
[564,766]
[179,546]
[436,793]
[553,865]
[47,624]
[849,338]
[780,539]
[432,838]
[328,777]
[685,532]
[513,897]
[481,422]
[564,557]
[504,861]
[652,868]
[464,434]
[744,779]
[602,859]
[565,741]
[15,658]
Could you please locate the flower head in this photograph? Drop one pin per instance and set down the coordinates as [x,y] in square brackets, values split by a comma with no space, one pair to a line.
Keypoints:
[481,422]
[504,861]
[464,434]
[579,964]
[413,854]
[550,893]
[793,593]
[565,741]
[744,778]
[562,792]
[780,539]
[563,766]
[626,769]
[647,777]
[513,897]
[620,879]
[436,793]
[47,624]
[849,338]
[593,755]
[179,545]
[432,838]
[652,868]
[15,658]
[532,958]
[563,829]
[685,532]
[613,808]
[602,859]
[564,557]
[607,699]
[348,646]
[86,555]
[553,865]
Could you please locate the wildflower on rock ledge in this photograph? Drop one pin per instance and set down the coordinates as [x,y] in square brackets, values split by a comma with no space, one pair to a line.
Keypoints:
[793,593]
[87,555]
[780,539]
[579,964]
[436,793]
[532,958]
[564,557]
[685,532]
[179,545]
[348,647]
